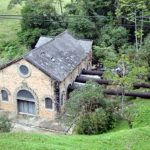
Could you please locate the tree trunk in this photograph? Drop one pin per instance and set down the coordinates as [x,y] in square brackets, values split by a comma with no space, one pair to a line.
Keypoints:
[130,124]
[136,37]
[61,7]
[141,38]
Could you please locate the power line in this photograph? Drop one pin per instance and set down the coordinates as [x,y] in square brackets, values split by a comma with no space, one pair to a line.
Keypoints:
[44,19]
[98,16]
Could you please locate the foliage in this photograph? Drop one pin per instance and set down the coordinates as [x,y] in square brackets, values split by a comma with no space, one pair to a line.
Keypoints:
[87,105]
[82,27]
[10,50]
[144,52]
[126,73]
[40,17]
[113,36]
[134,12]
[91,15]
[103,54]
[93,123]
[5,124]
[12,3]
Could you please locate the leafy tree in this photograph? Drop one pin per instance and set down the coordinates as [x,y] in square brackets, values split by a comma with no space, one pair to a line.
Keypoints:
[114,36]
[127,72]
[12,3]
[144,52]
[82,27]
[134,11]
[86,107]
[40,17]
[95,14]
[10,50]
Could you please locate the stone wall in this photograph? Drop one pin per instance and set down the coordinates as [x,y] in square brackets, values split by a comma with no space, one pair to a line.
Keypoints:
[85,64]
[39,84]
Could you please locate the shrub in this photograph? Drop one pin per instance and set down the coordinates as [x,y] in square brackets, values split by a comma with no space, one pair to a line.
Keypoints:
[94,123]
[5,124]
[10,50]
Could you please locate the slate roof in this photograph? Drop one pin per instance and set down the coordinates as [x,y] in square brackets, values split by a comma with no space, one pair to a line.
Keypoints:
[42,40]
[60,56]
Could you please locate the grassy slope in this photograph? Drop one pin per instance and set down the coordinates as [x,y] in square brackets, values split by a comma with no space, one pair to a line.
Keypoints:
[136,139]
[8,27]
[119,139]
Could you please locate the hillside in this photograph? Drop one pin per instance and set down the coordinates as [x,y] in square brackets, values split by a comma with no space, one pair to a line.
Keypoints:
[9,27]
[136,139]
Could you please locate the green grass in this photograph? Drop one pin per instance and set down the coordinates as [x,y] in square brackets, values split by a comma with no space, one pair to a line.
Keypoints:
[8,27]
[143,113]
[135,139]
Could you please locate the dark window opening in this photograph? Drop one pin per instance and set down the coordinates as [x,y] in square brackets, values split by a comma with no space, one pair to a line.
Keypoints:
[25,95]
[26,107]
[48,103]
[24,70]
[4,95]
[62,99]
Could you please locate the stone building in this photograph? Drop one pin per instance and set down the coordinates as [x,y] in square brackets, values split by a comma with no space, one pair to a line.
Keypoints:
[36,84]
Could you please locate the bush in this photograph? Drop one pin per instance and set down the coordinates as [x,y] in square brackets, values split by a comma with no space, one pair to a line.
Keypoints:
[11,50]
[5,124]
[94,123]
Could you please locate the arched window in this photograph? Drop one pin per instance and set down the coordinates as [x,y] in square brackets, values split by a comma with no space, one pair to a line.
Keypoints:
[4,95]
[24,94]
[48,103]
[26,102]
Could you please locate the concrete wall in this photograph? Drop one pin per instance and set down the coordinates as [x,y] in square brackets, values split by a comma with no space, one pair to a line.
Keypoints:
[39,84]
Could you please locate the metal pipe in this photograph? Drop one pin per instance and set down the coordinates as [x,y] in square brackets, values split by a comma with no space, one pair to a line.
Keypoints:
[132,94]
[113,92]
[84,79]
[143,85]
[93,72]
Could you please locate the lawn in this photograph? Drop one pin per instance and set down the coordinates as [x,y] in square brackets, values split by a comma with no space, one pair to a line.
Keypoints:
[8,27]
[121,138]
[135,139]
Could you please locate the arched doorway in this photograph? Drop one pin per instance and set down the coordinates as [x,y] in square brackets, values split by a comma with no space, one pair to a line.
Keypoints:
[25,102]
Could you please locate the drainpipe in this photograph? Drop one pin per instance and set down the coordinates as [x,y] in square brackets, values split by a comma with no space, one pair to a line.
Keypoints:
[57,96]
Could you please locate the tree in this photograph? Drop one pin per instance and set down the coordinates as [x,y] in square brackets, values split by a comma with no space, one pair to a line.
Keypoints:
[134,11]
[82,27]
[114,36]
[127,72]
[87,103]
[95,14]
[40,18]
[12,3]
[144,52]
